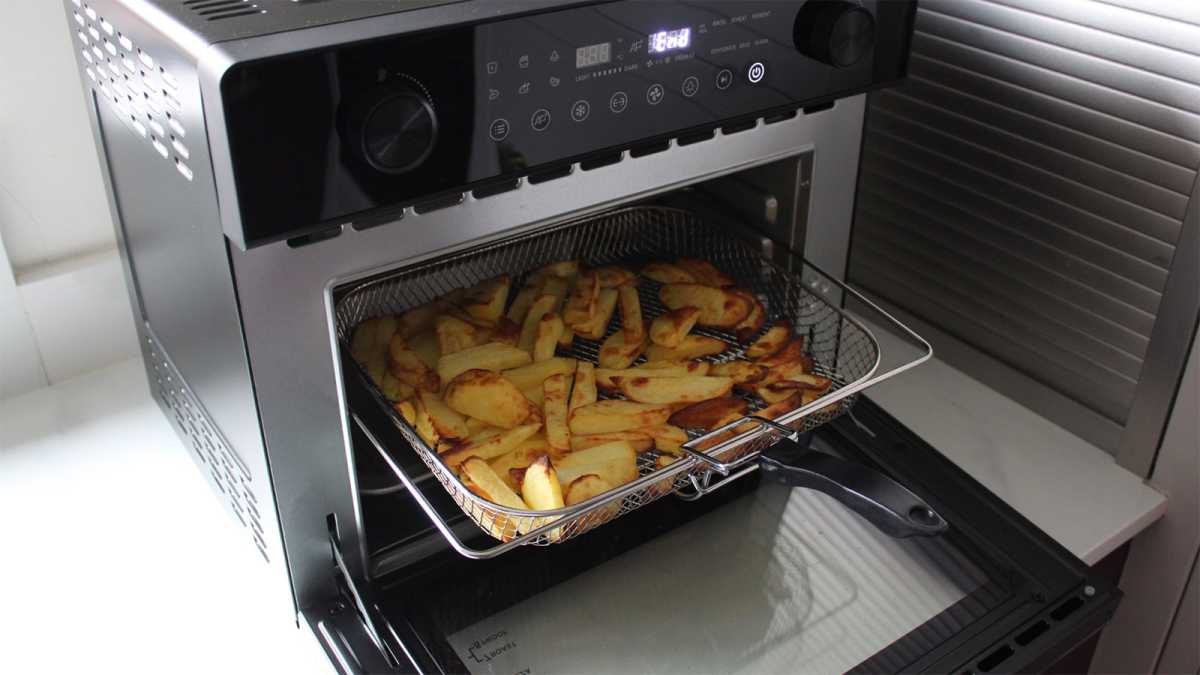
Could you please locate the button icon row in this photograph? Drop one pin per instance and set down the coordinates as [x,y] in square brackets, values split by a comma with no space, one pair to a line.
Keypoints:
[655,94]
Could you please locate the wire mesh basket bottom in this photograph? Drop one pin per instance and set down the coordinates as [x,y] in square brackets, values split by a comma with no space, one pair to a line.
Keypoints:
[841,350]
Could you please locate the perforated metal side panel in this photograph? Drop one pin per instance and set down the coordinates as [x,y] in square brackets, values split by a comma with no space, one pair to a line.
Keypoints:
[134,83]
[223,468]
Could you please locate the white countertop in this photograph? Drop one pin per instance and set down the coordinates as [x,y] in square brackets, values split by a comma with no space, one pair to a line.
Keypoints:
[119,559]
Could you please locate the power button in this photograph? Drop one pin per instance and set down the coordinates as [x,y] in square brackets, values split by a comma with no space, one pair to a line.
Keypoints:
[756,72]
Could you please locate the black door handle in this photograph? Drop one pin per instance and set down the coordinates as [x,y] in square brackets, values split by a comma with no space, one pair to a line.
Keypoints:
[888,505]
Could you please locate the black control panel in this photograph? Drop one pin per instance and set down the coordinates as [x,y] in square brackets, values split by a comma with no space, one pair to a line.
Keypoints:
[329,137]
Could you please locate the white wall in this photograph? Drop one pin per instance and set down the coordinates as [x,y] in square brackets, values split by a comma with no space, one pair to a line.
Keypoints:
[63,308]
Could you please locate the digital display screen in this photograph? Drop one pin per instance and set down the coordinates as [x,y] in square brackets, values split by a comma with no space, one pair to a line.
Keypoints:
[593,55]
[670,40]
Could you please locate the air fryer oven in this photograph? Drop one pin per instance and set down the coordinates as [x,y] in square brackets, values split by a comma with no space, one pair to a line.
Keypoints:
[269,161]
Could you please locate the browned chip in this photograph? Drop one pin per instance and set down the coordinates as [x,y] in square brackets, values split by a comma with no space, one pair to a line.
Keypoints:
[705,272]
[669,329]
[666,273]
[754,321]
[710,414]
[611,277]
[771,341]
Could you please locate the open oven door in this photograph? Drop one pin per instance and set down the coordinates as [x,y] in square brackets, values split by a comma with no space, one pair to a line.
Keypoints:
[756,577]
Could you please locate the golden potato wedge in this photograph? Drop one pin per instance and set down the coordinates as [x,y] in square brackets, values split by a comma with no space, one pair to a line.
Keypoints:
[484,482]
[719,308]
[372,337]
[520,458]
[555,407]
[770,342]
[454,334]
[667,438]
[423,424]
[790,353]
[666,273]
[558,287]
[640,440]
[405,365]
[567,338]
[749,327]
[584,391]
[549,330]
[489,446]
[710,414]
[485,301]
[669,329]
[741,371]
[377,368]
[605,416]
[615,352]
[535,395]
[705,272]
[426,347]
[606,305]
[694,367]
[581,306]
[687,389]
[541,307]
[692,347]
[491,356]
[520,306]
[475,426]
[419,319]
[408,412]
[488,396]
[394,389]
[614,462]
[540,487]
[631,314]
[565,269]
[492,487]
[584,488]
[666,485]
[506,331]
[447,423]
[531,376]
[612,277]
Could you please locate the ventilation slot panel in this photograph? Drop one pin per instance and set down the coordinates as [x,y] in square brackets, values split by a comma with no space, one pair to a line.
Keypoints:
[226,471]
[215,10]
[132,82]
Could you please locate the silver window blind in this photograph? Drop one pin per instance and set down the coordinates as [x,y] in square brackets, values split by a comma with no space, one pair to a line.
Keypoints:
[1025,189]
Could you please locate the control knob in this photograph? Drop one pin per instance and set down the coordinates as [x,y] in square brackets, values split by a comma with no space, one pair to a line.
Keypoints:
[392,127]
[836,32]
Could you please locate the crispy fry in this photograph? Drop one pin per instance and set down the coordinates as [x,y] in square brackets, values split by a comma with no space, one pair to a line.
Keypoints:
[669,329]
[549,330]
[584,488]
[426,347]
[606,304]
[741,371]
[617,353]
[749,327]
[693,367]
[565,269]
[581,307]
[454,334]
[408,412]
[666,273]
[523,301]
[719,308]
[491,487]
[791,352]
[531,376]
[555,388]
[667,438]
[771,341]
[558,287]
[615,462]
[692,346]
[405,365]
[540,308]
[605,416]
[446,422]
[705,272]
[419,319]
[612,277]
[687,389]
[485,300]
[631,314]
[394,389]
[506,332]
[710,414]
[490,356]
[640,440]
[488,396]
[584,391]
[666,485]
[540,487]
[489,446]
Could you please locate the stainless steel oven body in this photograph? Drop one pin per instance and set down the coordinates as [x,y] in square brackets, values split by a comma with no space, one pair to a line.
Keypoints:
[238,338]
[251,176]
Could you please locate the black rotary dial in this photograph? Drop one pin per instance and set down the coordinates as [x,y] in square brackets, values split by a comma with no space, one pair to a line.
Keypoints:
[834,31]
[393,127]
